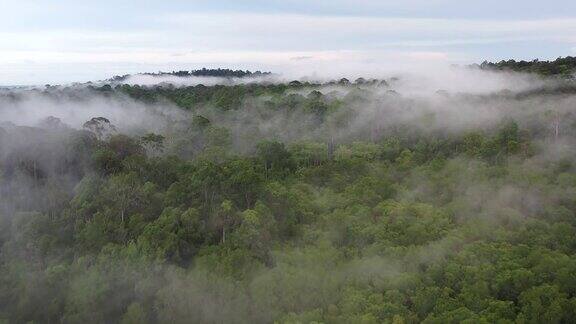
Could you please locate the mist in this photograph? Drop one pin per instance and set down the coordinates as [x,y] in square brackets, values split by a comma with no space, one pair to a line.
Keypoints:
[276,199]
[179,81]
[73,107]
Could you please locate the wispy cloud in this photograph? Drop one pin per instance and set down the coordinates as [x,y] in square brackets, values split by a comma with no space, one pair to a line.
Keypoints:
[281,40]
[281,32]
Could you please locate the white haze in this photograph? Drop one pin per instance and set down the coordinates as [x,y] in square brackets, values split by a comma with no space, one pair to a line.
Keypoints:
[151,80]
[129,115]
[198,297]
[125,113]
[465,80]
[424,80]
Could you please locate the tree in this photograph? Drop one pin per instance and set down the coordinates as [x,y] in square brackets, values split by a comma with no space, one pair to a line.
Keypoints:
[153,142]
[555,121]
[254,233]
[344,81]
[124,191]
[277,161]
[100,127]
[175,236]
[543,304]
[243,180]
[226,218]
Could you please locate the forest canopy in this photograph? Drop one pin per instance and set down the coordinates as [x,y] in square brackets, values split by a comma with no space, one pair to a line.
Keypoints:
[290,202]
[562,66]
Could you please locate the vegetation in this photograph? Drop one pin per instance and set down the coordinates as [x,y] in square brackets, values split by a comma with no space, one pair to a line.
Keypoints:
[204,72]
[292,203]
[562,66]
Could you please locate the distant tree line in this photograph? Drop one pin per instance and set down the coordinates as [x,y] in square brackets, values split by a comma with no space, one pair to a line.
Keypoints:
[204,72]
[562,66]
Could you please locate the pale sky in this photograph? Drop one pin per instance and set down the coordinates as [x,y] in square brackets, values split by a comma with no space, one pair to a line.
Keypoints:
[66,41]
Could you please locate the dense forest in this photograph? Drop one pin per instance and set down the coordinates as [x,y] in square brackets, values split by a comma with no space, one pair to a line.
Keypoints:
[562,66]
[299,202]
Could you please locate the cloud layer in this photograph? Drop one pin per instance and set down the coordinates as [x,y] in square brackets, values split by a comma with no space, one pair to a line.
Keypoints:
[64,48]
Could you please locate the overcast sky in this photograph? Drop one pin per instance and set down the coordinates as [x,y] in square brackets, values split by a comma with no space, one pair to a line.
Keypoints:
[61,41]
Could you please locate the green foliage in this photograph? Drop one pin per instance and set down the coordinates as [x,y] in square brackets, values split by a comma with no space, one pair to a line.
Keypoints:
[562,66]
[277,161]
[175,236]
[223,220]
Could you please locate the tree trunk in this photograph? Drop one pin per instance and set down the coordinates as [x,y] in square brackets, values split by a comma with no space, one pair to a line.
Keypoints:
[556,129]
[247,200]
